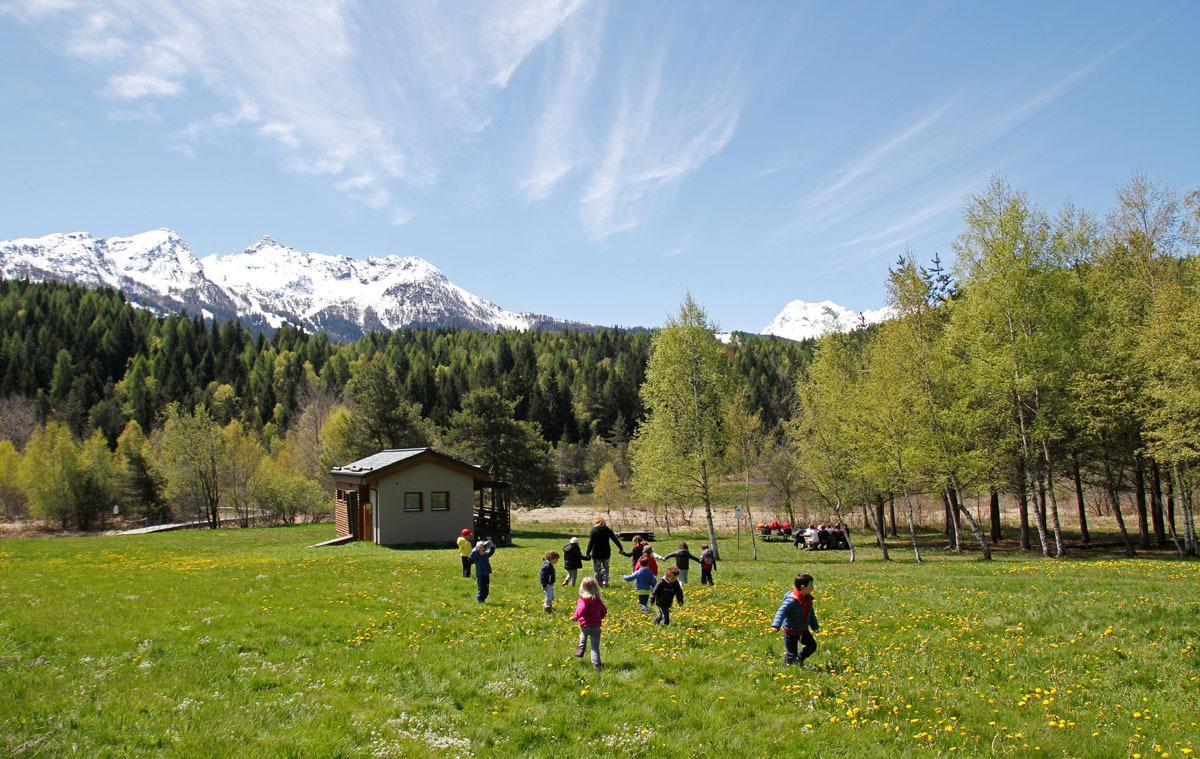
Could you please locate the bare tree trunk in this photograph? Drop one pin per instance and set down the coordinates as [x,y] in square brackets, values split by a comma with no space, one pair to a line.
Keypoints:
[957,509]
[1083,526]
[1171,504]
[1139,495]
[955,544]
[1189,521]
[1039,512]
[994,513]
[946,528]
[879,532]
[1059,548]
[712,531]
[1171,516]
[1156,504]
[974,525]
[837,510]
[749,518]
[912,527]
[892,512]
[1114,499]
[1023,500]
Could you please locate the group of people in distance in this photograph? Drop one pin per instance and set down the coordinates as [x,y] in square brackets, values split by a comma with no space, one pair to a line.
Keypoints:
[823,537]
[795,616]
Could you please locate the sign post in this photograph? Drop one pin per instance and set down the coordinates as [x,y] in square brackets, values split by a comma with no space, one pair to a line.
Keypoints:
[737,520]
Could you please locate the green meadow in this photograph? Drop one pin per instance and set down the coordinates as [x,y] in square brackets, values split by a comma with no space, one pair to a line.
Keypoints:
[246,642]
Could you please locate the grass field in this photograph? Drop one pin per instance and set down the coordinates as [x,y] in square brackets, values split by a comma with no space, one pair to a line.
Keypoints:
[242,642]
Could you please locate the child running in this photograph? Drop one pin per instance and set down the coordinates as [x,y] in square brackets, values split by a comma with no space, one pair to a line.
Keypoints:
[683,560]
[635,553]
[589,613]
[795,617]
[547,579]
[708,562]
[572,560]
[666,592]
[651,557]
[644,580]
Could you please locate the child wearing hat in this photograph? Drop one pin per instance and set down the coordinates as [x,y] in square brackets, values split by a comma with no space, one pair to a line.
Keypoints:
[572,560]
[464,548]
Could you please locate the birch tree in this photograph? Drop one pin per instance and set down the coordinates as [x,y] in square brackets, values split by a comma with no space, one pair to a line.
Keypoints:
[687,381]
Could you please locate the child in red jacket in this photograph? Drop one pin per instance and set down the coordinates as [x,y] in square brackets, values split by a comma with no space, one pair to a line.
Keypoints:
[589,613]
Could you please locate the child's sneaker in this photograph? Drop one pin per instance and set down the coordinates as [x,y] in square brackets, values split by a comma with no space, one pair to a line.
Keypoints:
[547,609]
[579,651]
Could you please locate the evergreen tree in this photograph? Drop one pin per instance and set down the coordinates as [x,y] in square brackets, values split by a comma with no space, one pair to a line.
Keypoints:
[485,432]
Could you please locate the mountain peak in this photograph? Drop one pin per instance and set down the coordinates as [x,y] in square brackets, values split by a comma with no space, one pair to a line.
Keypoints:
[804,320]
[266,241]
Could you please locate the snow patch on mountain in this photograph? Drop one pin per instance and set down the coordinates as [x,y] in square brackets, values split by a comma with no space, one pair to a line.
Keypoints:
[802,320]
[268,283]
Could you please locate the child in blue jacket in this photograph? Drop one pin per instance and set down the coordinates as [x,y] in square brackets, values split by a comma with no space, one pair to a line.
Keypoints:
[546,577]
[796,617]
[643,579]
[481,557]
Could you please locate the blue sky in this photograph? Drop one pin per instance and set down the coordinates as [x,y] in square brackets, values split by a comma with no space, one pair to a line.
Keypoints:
[589,160]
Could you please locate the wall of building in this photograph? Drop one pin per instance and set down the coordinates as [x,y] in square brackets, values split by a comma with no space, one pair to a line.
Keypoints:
[395,526]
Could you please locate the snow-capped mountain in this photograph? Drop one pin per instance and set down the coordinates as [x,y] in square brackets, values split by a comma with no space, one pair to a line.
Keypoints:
[265,285]
[801,320]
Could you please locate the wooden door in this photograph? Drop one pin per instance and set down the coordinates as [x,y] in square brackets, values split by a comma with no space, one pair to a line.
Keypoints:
[367,528]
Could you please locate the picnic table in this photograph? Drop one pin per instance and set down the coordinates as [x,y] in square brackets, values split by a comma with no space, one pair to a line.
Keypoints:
[647,535]
[775,538]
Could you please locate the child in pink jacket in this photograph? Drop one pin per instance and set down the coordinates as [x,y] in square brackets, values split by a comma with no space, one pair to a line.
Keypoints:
[589,613]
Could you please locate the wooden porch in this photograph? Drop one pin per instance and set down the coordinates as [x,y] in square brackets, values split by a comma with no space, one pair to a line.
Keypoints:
[492,512]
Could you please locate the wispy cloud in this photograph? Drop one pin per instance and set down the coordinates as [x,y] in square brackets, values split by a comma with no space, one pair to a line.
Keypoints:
[559,144]
[1041,100]
[874,157]
[334,91]
[945,153]
[658,136]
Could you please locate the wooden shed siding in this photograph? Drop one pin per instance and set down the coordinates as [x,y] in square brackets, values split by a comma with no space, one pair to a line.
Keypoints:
[341,519]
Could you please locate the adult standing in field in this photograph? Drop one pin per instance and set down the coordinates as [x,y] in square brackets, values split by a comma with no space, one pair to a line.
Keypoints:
[600,551]
[464,548]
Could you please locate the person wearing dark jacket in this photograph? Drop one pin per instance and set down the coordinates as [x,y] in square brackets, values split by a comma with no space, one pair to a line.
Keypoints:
[572,560]
[683,560]
[547,579]
[600,551]
[708,562]
[666,592]
[795,617]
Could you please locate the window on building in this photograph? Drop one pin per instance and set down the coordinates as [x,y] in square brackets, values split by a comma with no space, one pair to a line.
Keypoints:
[439,500]
[412,502]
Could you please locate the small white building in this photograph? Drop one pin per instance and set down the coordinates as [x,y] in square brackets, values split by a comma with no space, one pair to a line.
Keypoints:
[412,496]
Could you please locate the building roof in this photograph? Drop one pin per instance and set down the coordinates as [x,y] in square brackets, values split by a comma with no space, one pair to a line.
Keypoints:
[397,458]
